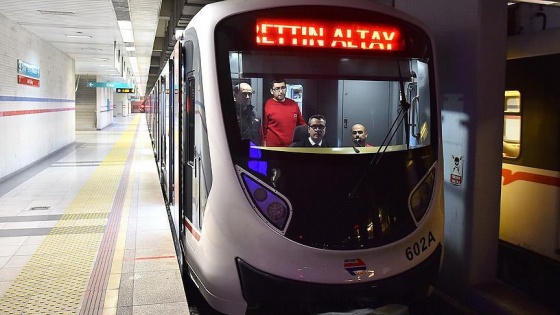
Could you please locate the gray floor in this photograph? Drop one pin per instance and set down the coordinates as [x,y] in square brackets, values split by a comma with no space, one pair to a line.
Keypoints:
[49,208]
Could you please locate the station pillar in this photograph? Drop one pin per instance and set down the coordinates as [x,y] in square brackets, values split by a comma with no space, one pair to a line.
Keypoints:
[471,44]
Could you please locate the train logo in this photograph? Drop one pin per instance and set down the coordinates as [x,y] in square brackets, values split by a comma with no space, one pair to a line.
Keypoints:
[355,267]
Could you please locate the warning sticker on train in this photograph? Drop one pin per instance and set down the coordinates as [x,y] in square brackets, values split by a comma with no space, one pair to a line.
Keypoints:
[355,266]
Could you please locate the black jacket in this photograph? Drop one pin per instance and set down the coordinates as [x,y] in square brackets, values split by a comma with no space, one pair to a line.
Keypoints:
[249,124]
[307,144]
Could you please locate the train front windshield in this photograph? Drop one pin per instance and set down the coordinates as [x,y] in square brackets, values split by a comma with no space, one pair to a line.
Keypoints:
[368,69]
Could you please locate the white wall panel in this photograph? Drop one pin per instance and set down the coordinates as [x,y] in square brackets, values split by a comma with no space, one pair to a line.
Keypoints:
[34,121]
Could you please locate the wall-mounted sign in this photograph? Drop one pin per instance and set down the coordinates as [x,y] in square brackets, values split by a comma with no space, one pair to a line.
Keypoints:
[28,69]
[28,74]
[127,90]
[27,81]
[121,85]
[456,176]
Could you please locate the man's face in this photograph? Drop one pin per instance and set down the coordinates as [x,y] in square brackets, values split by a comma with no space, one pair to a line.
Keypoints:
[359,132]
[278,91]
[317,129]
[243,98]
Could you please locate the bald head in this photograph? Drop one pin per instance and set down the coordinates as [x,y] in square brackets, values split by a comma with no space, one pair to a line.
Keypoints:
[243,94]
[359,133]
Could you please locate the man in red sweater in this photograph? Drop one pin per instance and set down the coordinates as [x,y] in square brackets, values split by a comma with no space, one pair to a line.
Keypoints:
[281,115]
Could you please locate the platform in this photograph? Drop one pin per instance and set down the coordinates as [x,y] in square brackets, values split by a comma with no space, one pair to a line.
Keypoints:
[86,231]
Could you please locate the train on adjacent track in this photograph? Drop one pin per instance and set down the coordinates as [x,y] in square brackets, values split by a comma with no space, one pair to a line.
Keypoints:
[344,226]
[529,252]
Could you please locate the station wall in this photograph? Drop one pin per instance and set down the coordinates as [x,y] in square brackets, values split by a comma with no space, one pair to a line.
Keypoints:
[37,98]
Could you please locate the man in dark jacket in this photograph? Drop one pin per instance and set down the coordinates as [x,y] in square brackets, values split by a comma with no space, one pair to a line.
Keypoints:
[249,124]
[317,127]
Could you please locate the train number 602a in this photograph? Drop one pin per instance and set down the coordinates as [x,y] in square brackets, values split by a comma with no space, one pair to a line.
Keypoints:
[419,247]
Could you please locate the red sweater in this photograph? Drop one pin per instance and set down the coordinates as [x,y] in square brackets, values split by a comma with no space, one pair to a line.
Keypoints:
[279,121]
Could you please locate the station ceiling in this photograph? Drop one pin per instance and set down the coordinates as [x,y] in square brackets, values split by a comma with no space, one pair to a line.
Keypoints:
[92,31]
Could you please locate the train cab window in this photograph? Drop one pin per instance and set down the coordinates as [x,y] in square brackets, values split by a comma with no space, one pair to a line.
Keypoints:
[386,83]
[334,87]
[512,125]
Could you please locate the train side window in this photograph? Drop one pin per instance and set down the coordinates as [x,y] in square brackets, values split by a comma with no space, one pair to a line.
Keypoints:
[512,125]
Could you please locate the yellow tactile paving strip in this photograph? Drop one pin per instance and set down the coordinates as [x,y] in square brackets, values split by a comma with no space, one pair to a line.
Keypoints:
[56,277]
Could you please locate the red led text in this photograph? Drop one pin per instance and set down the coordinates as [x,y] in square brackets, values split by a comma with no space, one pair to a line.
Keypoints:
[328,34]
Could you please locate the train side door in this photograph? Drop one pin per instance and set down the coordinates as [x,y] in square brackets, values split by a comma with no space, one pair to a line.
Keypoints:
[190,164]
[171,134]
[164,132]
[155,108]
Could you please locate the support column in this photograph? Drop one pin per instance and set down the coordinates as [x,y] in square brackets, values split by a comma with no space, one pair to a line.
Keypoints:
[471,40]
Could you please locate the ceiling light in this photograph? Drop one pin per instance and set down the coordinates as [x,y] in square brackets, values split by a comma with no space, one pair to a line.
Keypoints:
[541,2]
[134,64]
[100,59]
[130,48]
[78,36]
[126,31]
[92,49]
[56,12]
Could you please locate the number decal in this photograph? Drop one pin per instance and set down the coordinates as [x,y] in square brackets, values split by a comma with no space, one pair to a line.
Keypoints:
[419,247]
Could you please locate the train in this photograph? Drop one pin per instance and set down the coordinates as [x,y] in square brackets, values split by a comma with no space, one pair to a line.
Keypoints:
[529,251]
[259,226]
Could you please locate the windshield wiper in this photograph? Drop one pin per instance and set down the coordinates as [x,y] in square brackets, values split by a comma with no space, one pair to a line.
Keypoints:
[402,115]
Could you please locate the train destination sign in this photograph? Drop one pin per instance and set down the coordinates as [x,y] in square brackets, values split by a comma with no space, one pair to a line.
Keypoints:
[328,34]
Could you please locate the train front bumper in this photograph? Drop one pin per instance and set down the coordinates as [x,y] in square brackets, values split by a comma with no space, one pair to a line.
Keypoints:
[261,289]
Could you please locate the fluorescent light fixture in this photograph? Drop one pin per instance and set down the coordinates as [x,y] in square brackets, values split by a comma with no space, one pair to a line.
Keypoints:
[56,12]
[111,70]
[131,48]
[92,49]
[127,36]
[126,31]
[125,25]
[77,36]
[541,2]
[134,64]
[100,59]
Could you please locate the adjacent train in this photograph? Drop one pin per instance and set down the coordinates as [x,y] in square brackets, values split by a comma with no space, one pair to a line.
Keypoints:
[326,228]
[529,256]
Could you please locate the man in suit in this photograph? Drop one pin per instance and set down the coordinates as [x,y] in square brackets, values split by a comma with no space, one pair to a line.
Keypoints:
[317,127]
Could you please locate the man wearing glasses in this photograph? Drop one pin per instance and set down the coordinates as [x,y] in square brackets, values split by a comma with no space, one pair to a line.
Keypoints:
[359,135]
[317,129]
[281,115]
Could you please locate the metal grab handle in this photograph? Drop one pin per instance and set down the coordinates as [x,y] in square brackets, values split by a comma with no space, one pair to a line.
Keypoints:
[415,118]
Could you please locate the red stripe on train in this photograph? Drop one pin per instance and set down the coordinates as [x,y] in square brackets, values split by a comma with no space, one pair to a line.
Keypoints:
[510,177]
[192,230]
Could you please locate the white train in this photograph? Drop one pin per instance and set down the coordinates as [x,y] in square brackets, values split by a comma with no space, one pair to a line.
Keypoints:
[259,226]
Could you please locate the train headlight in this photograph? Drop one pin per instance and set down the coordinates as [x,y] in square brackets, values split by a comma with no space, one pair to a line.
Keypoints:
[421,195]
[270,205]
[276,211]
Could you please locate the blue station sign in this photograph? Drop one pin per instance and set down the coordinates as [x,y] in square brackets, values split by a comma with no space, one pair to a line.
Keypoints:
[28,69]
[120,85]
